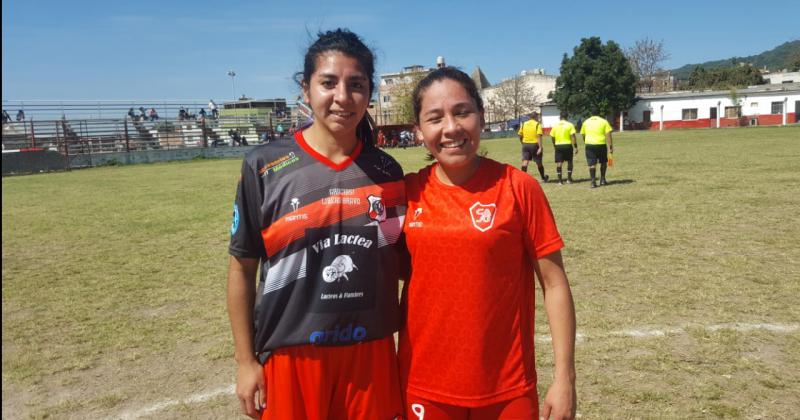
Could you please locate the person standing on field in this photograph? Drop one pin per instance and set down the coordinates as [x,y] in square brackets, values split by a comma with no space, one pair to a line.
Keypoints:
[479,233]
[320,217]
[530,135]
[596,132]
[565,144]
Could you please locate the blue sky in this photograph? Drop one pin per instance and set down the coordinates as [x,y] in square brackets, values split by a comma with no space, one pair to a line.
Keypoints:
[65,50]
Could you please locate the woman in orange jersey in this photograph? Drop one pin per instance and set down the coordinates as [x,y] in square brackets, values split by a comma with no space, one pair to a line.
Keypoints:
[319,215]
[477,230]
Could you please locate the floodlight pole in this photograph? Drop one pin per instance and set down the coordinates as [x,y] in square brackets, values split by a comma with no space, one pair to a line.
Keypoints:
[232,74]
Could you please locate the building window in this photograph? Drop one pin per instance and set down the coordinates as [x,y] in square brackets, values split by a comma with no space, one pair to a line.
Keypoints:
[689,114]
[732,111]
[387,98]
[753,105]
[777,108]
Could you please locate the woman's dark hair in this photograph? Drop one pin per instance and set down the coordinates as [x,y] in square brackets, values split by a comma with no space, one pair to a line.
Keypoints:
[451,73]
[351,45]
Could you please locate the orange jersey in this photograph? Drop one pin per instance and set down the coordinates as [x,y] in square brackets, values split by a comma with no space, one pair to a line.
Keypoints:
[468,338]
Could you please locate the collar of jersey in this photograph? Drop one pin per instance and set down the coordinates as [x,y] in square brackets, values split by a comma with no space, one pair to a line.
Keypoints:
[324,160]
[469,185]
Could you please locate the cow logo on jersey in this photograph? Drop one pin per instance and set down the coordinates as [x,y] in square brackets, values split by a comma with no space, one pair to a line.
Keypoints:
[377,211]
[235,222]
[482,215]
[341,264]
[295,203]
[339,268]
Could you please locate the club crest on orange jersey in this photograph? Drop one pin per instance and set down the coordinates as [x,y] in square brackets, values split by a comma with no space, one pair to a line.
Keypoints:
[482,215]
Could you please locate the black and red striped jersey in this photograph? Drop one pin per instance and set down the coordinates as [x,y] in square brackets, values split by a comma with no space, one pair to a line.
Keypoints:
[329,237]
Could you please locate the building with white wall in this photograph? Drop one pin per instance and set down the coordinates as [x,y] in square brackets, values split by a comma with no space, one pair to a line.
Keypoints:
[775,104]
[535,84]
[782,77]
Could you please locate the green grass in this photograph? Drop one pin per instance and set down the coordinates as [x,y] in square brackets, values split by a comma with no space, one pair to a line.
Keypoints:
[114,281]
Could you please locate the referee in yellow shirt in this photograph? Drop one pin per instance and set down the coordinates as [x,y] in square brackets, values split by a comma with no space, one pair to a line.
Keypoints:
[530,135]
[596,132]
[565,144]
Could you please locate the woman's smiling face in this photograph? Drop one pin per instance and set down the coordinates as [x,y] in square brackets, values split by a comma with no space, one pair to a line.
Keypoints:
[338,92]
[450,124]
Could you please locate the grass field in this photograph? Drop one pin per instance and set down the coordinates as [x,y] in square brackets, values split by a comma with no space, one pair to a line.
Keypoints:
[685,271]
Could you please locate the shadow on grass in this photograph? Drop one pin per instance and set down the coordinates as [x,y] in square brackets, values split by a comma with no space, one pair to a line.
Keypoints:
[586,180]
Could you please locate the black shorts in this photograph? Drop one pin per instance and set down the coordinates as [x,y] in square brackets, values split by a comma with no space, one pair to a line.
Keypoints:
[596,153]
[563,152]
[529,152]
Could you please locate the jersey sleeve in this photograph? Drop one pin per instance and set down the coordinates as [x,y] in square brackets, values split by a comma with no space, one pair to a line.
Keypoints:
[521,126]
[607,127]
[540,231]
[571,129]
[246,239]
[539,130]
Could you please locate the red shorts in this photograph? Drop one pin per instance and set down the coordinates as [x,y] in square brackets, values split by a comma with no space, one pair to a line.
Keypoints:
[523,407]
[345,382]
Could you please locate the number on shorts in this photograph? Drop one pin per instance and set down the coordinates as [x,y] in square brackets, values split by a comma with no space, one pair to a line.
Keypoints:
[419,410]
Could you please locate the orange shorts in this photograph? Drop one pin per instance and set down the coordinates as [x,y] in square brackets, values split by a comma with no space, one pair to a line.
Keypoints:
[525,407]
[346,382]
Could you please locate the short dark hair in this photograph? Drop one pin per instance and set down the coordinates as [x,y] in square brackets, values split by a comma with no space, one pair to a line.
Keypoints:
[451,73]
[563,115]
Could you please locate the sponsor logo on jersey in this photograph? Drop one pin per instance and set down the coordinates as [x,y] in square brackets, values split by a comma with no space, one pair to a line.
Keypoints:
[295,202]
[338,269]
[377,211]
[279,163]
[415,222]
[482,215]
[235,222]
[341,239]
[348,334]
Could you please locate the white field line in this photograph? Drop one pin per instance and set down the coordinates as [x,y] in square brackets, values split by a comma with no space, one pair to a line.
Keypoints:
[192,399]
[647,332]
[635,333]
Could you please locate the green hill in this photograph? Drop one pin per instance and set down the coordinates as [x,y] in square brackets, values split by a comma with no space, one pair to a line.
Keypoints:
[778,58]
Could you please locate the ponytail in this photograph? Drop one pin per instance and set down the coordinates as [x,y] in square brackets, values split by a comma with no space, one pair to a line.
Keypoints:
[365,131]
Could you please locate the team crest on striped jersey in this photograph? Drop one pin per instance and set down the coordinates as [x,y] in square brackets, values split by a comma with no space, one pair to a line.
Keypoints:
[377,211]
[482,215]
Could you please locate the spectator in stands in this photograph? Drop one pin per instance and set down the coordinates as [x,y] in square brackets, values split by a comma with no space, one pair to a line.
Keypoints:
[131,113]
[142,114]
[202,113]
[153,114]
[20,115]
[265,137]
[212,106]
[244,141]
[279,130]
[181,114]
[6,117]
[292,129]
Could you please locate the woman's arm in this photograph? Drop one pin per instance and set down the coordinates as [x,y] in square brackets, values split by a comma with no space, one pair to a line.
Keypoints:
[560,401]
[250,385]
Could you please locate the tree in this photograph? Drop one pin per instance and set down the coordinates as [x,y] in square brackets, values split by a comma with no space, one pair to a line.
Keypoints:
[724,78]
[597,80]
[402,98]
[646,57]
[513,98]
